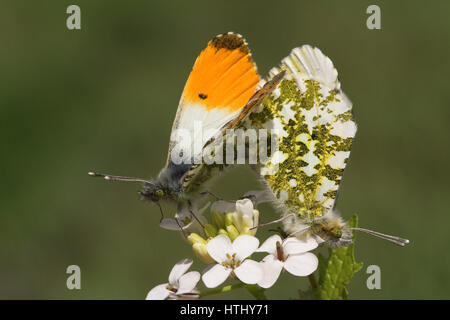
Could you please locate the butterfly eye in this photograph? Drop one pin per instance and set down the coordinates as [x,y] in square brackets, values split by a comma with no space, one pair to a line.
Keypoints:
[337,233]
[159,193]
[202,96]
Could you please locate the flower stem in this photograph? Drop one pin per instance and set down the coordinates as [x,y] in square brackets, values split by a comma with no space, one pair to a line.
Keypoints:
[221,289]
[256,291]
[312,281]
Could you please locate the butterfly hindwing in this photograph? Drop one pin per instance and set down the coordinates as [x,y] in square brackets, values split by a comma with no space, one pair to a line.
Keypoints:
[315,132]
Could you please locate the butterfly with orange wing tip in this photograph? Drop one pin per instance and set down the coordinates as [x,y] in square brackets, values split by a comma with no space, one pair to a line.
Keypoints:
[219,94]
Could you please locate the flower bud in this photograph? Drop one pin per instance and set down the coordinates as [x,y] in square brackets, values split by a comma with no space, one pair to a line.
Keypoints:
[222,231]
[201,252]
[218,219]
[232,232]
[245,217]
[229,219]
[211,231]
[195,238]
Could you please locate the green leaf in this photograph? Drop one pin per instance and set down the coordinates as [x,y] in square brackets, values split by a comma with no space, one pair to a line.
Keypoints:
[336,271]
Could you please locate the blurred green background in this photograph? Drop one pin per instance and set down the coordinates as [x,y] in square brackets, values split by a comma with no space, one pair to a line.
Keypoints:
[103,98]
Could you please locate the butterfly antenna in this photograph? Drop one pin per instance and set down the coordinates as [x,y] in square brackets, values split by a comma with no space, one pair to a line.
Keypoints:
[117,178]
[394,239]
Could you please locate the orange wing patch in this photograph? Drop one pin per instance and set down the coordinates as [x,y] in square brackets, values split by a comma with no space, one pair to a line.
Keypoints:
[224,75]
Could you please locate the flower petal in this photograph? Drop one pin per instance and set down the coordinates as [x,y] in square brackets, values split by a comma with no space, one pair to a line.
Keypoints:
[158,293]
[244,245]
[169,224]
[249,272]
[302,264]
[271,271]
[187,221]
[187,282]
[244,207]
[245,217]
[270,245]
[293,245]
[218,247]
[215,275]
[178,270]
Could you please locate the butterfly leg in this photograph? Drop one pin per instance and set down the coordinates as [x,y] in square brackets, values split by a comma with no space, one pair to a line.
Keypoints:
[272,222]
[193,214]
[181,228]
[160,210]
[298,231]
[211,194]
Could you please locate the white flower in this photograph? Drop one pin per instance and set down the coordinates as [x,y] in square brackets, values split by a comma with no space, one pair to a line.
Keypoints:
[181,284]
[231,258]
[290,254]
[245,217]
[256,196]
[241,214]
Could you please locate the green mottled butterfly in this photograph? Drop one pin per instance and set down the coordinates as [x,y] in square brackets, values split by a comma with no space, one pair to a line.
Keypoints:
[316,128]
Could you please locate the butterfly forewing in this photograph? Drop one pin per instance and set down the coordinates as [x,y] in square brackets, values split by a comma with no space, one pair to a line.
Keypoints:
[223,79]
[198,174]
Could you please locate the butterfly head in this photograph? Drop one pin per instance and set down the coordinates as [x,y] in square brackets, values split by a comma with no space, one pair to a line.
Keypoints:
[154,192]
[332,229]
[151,190]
